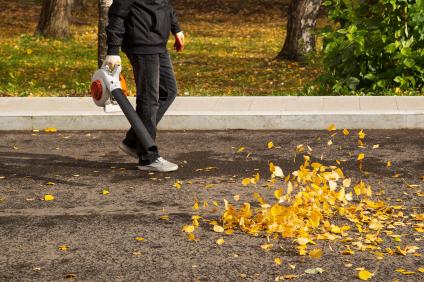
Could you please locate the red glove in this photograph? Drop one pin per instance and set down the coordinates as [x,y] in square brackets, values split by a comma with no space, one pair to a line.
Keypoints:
[179,41]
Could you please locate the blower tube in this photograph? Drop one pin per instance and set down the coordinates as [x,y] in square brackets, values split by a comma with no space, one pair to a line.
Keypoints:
[135,121]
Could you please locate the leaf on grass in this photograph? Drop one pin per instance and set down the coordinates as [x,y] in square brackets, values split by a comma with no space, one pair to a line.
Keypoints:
[277,261]
[139,238]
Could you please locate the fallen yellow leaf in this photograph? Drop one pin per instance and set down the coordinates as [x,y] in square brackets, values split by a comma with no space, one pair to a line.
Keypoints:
[50,130]
[315,253]
[241,149]
[218,228]
[63,248]
[277,261]
[331,127]
[267,247]
[365,275]
[361,134]
[188,228]
[48,197]
[220,241]
[345,132]
[245,181]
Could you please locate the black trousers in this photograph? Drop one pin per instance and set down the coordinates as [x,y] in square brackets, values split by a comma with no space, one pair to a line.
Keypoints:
[156,90]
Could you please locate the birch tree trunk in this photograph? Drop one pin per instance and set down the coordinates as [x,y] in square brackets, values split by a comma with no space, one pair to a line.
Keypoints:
[300,39]
[103,22]
[54,19]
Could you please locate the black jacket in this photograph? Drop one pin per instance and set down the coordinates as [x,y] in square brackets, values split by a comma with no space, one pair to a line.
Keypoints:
[140,26]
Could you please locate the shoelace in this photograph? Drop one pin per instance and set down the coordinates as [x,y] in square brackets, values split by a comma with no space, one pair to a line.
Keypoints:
[161,160]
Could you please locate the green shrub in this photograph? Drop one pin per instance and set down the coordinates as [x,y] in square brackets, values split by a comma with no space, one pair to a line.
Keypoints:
[375,46]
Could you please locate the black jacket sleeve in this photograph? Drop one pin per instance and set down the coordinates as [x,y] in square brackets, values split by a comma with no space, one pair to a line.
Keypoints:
[175,26]
[117,14]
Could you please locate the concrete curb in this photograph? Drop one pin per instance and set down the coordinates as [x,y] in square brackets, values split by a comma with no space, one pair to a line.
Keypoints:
[221,113]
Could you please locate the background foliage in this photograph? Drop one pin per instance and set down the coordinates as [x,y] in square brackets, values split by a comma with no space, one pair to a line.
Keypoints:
[375,45]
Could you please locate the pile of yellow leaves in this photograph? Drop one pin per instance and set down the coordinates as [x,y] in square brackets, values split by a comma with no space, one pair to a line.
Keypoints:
[317,202]
[306,205]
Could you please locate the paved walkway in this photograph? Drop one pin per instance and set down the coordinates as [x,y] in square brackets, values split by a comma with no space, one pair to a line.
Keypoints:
[217,113]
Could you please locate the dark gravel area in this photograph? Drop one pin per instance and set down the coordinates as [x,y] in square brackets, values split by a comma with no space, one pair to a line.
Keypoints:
[100,230]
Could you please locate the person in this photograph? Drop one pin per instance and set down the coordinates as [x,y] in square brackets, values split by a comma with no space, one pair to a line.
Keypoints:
[141,28]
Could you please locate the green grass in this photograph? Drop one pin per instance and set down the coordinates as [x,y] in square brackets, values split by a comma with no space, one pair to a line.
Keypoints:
[226,54]
[229,52]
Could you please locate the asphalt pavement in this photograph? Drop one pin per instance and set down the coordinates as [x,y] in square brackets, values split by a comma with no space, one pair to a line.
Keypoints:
[102,205]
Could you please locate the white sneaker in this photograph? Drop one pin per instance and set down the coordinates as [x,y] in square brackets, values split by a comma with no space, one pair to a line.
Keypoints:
[159,165]
[128,150]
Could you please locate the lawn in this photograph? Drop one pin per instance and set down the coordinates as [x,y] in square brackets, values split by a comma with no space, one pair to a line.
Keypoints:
[230,51]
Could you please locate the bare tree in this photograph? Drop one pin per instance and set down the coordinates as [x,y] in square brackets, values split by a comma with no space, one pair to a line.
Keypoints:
[54,19]
[300,39]
[103,22]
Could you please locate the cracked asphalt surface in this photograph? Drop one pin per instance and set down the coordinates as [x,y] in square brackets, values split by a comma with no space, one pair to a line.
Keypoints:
[100,230]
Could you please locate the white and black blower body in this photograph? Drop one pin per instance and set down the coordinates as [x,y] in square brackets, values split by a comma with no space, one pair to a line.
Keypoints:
[107,92]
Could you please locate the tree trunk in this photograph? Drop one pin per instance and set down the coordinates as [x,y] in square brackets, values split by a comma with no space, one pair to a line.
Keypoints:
[79,5]
[103,22]
[54,19]
[300,39]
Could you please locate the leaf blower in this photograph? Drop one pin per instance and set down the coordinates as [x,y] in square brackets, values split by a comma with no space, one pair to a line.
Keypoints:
[107,90]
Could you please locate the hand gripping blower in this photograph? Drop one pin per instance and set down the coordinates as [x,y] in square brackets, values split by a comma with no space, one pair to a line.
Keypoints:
[107,92]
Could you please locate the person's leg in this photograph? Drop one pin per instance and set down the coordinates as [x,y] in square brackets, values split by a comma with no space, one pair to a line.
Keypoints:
[146,74]
[167,85]
[167,91]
